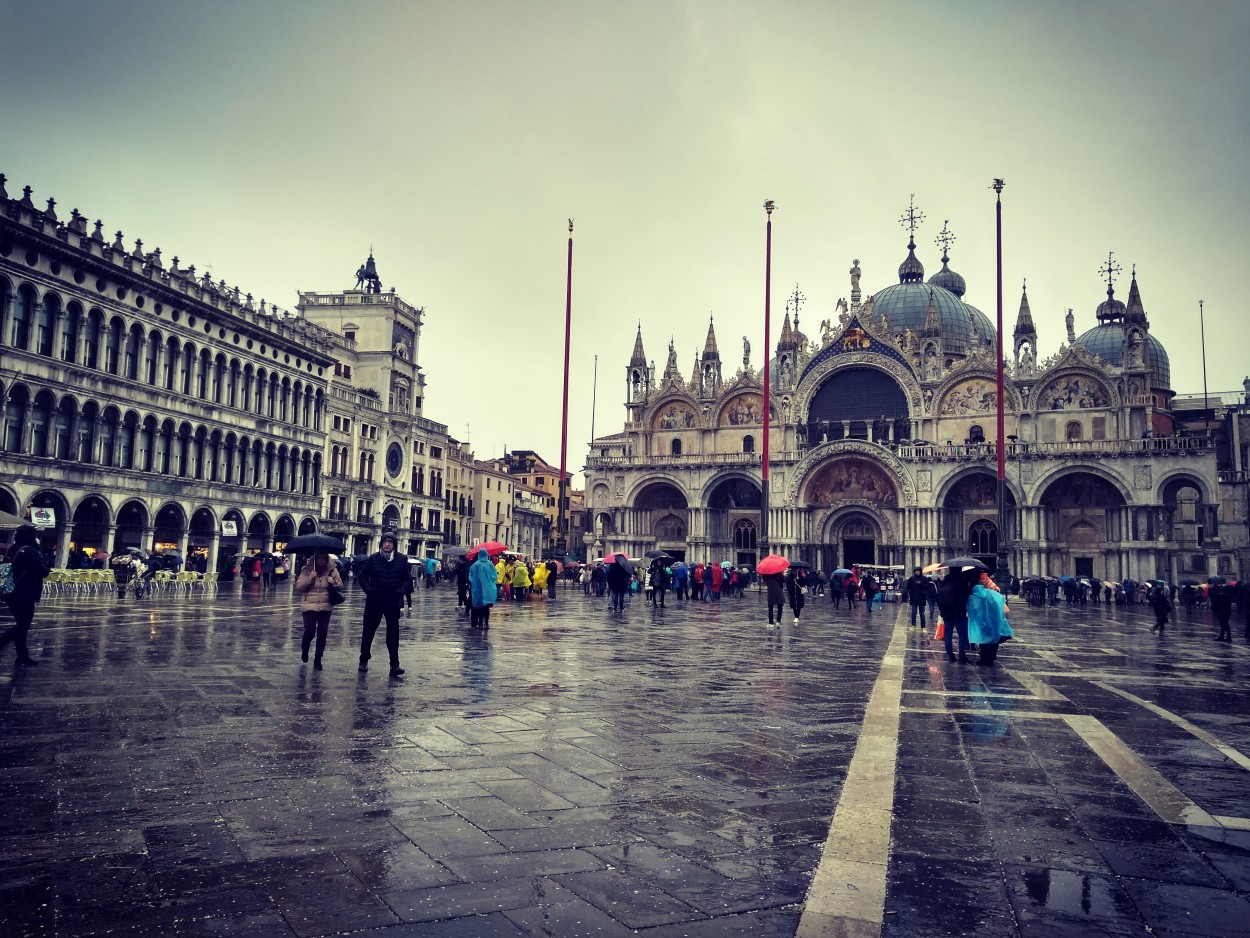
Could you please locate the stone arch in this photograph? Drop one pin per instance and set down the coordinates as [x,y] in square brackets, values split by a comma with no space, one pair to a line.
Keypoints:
[814,458]
[714,483]
[815,379]
[743,407]
[169,525]
[308,525]
[90,523]
[674,412]
[283,529]
[1170,482]
[132,521]
[51,498]
[1074,389]
[950,387]
[944,491]
[600,495]
[1044,483]
[639,487]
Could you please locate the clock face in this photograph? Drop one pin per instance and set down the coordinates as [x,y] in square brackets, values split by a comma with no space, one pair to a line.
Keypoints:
[394,459]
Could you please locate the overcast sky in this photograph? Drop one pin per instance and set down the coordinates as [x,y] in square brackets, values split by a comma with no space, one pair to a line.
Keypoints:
[278,141]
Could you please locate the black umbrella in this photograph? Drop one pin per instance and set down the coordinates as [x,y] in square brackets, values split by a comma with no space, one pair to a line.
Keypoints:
[966,563]
[657,555]
[313,542]
[800,565]
[625,562]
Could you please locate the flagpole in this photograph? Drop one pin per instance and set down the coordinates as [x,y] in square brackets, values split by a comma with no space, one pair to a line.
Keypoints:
[1001,572]
[769,205]
[562,506]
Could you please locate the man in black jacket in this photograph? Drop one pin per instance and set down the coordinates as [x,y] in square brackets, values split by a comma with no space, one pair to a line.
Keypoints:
[28,571]
[385,578]
[918,595]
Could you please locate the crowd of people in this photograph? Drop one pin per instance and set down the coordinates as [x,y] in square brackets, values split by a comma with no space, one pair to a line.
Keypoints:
[973,608]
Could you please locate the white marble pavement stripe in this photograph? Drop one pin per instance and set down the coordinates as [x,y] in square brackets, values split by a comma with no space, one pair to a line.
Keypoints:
[1210,739]
[847,895]
[1167,801]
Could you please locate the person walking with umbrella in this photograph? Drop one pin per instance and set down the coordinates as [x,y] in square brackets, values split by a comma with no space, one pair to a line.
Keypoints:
[483,589]
[385,578]
[1220,596]
[775,585]
[953,591]
[619,578]
[870,591]
[660,578]
[917,595]
[794,591]
[987,621]
[316,584]
[28,572]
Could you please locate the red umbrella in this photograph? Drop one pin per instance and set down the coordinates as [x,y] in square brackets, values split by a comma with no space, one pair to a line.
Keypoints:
[492,548]
[773,563]
[611,558]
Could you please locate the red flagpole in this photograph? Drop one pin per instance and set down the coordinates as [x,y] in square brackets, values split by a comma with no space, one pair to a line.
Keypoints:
[1001,571]
[561,525]
[768,275]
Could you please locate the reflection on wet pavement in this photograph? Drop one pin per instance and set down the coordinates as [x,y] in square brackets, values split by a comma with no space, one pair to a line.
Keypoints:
[174,769]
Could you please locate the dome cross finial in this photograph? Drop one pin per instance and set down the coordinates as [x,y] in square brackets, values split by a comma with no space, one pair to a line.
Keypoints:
[1109,270]
[945,239]
[912,218]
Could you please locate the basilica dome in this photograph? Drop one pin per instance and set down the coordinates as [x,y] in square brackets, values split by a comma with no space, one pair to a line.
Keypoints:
[906,303]
[1106,340]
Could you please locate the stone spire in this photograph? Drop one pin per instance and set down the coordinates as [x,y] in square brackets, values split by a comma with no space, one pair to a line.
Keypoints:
[1024,319]
[1135,311]
[710,352]
[932,324]
[787,335]
[639,357]
[1025,333]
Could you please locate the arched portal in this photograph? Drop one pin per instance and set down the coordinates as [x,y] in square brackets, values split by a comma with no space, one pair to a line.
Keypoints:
[200,540]
[969,520]
[662,516]
[258,532]
[1188,525]
[1082,521]
[729,503]
[90,526]
[132,519]
[283,531]
[171,524]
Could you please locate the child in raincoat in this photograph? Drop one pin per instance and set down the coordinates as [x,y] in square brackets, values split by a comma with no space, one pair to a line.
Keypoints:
[520,581]
[540,577]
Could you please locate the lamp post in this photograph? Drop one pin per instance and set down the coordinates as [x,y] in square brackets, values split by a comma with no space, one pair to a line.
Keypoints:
[769,205]
[1001,573]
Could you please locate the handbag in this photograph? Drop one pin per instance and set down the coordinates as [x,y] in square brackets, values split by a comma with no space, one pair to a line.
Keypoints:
[7,585]
[940,634]
[336,595]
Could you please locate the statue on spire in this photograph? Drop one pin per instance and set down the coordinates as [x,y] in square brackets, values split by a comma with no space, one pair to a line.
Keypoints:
[1071,324]
[367,276]
[746,353]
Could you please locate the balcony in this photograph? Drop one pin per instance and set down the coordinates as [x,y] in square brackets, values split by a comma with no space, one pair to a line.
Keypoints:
[971,452]
[687,460]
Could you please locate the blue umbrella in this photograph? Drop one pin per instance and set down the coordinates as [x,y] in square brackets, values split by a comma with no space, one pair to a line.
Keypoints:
[841,571]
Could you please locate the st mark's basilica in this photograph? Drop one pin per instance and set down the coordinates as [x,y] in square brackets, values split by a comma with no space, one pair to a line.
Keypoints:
[883,451]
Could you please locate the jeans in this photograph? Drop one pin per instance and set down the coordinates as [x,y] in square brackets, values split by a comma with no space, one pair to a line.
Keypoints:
[316,624]
[918,607]
[373,617]
[960,626]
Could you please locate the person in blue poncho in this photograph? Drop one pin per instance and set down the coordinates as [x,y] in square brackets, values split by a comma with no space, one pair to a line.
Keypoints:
[482,590]
[987,620]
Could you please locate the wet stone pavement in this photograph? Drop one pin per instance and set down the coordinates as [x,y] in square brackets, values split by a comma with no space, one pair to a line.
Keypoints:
[172,768]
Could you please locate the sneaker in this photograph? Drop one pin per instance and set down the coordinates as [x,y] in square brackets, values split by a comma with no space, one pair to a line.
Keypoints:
[317,664]
[364,666]
[796,620]
[304,656]
[397,672]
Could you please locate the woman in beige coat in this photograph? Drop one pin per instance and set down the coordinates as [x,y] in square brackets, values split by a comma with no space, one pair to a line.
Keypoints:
[314,584]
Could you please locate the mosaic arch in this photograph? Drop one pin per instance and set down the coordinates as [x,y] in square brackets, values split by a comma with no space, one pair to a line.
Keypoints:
[660,495]
[974,491]
[742,410]
[675,415]
[733,491]
[850,478]
[1073,392]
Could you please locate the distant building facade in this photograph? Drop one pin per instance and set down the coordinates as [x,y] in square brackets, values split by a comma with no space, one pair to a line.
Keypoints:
[883,446]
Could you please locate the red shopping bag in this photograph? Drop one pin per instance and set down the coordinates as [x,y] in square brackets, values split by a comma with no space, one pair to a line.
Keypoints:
[940,634]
